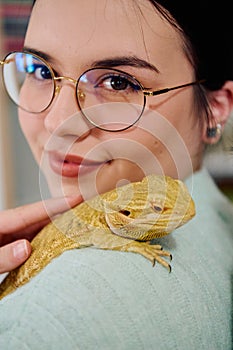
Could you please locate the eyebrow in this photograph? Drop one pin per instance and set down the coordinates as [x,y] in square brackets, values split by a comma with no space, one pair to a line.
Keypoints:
[41,54]
[131,61]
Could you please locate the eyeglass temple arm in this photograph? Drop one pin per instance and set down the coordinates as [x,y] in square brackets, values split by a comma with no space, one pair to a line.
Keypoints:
[163,91]
[5,62]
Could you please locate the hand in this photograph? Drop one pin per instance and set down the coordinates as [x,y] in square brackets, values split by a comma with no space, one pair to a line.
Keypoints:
[18,226]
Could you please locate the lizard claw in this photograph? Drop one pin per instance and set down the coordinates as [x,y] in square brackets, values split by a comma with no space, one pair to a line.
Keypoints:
[152,252]
[168,266]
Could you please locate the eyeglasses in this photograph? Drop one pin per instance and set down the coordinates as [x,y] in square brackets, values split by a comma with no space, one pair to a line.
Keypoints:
[108,98]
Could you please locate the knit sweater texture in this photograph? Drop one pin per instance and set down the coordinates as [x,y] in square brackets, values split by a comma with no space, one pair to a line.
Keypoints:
[93,299]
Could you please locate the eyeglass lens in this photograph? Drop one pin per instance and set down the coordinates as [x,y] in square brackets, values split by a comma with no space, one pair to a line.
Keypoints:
[108,98]
[28,81]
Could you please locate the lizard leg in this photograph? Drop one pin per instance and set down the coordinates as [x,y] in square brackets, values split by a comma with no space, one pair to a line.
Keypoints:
[154,253]
[105,239]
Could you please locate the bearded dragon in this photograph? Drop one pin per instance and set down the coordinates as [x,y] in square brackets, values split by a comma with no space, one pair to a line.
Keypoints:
[125,219]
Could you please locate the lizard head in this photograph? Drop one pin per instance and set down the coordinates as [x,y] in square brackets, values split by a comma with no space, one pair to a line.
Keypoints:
[149,209]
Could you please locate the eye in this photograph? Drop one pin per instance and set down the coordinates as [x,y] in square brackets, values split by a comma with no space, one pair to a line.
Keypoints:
[157,208]
[32,66]
[118,82]
[40,72]
[125,212]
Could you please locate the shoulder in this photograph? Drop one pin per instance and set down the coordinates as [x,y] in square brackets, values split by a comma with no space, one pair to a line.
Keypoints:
[95,299]
[213,208]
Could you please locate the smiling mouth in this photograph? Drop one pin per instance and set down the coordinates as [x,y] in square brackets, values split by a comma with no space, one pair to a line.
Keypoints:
[72,165]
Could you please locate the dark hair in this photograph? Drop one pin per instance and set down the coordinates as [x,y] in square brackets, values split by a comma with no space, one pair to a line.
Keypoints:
[207,25]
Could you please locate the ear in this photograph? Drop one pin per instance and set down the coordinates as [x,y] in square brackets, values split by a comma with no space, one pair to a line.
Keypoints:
[221,106]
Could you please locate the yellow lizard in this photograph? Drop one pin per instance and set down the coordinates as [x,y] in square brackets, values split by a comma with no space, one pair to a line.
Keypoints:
[126,219]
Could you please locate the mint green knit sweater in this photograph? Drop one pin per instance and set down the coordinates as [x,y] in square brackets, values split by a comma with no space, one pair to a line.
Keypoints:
[94,299]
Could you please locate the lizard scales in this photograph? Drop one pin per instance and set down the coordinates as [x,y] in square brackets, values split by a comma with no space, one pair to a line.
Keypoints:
[124,219]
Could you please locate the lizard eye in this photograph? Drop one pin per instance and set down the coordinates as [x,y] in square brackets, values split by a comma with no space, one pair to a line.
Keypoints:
[125,212]
[157,208]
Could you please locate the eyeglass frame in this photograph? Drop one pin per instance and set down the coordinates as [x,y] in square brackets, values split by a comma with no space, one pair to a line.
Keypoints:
[57,88]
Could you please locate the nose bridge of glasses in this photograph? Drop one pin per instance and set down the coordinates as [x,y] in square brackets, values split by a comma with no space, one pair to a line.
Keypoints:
[80,93]
[71,80]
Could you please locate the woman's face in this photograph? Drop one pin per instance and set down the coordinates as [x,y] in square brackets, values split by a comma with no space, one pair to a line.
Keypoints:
[76,157]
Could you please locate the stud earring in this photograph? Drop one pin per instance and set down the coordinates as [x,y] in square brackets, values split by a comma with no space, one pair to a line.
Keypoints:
[213,132]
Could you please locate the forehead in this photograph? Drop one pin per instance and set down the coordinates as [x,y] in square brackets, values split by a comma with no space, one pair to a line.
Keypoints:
[83,28]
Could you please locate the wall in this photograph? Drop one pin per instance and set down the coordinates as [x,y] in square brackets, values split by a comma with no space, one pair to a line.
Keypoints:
[19,176]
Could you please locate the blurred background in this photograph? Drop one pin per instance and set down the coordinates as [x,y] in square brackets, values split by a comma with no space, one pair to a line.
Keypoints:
[19,174]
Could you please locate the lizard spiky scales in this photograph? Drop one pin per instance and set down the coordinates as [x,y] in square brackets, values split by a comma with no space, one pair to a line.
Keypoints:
[124,219]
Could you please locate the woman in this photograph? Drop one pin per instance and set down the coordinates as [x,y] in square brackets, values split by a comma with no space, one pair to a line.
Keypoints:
[82,60]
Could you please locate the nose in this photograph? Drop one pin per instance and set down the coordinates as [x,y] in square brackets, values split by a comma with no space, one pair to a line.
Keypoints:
[64,116]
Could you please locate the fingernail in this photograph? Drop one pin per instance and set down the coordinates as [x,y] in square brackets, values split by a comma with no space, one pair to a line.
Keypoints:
[20,250]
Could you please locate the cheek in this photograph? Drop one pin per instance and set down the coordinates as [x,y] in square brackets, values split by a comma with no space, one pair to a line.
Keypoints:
[179,110]
[133,155]
[26,124]
[32,128]
[118,173]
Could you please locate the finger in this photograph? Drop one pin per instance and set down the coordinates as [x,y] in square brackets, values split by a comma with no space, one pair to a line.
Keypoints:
[21,218]
[57,206]
[28,234]
[13,255]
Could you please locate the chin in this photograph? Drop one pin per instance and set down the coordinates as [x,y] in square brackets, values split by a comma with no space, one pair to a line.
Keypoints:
[106,178]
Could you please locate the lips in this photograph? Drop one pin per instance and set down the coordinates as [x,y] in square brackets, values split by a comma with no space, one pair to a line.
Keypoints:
[71,165]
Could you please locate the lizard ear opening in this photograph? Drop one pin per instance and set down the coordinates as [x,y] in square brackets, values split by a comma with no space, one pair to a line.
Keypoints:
[125,212]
